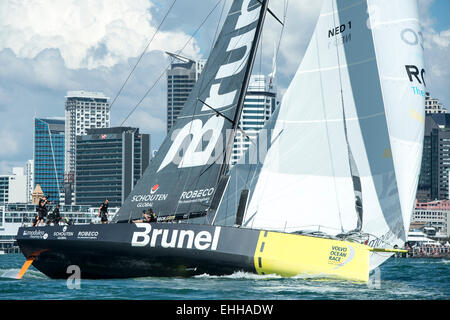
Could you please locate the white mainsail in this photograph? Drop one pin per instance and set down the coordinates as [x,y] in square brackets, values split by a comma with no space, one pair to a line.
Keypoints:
[361,81]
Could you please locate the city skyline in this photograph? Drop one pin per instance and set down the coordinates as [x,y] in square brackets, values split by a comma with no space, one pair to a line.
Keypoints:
[42,61]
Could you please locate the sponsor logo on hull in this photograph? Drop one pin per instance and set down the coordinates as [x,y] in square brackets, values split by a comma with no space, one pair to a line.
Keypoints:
[175,238]
[35,234]
[340,256]
[87,235]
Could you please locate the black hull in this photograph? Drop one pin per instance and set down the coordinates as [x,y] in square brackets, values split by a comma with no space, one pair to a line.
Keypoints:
[111,251]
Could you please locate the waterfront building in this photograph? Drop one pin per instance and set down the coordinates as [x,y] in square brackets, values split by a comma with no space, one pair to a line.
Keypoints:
[13,187]
[259,105]
[48,154]
[432,105]
[435,214]
[109,162]
[181,78]
[29,174]
[84,110]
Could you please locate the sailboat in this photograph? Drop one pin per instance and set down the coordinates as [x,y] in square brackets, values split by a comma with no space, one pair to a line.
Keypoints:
[332,190]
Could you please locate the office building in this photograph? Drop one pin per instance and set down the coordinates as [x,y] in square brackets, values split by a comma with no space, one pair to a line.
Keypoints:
[181,78]
[434,214]
[84,110]
[433,180]
[13,187]
[48,154]
[434,177]
[259,104]
[109,162]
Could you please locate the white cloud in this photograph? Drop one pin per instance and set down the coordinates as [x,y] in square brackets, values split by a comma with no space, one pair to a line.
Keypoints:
[88,33]
[442,39]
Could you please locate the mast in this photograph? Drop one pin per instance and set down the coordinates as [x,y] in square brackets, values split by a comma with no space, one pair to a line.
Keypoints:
[222,179]
[240,103]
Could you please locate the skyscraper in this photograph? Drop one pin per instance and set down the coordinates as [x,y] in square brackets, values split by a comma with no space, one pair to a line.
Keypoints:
[109,162]
[181,78]
[48,156]
[434,180]
[259,104]
[84,110]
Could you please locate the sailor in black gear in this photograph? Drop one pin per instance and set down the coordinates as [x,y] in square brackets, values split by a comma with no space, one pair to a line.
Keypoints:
[41,210]
[57,216]
[103,212]
[54,216]
[152,216]
[147,217]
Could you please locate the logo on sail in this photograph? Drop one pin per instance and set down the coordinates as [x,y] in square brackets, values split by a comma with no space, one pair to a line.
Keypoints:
[154,189]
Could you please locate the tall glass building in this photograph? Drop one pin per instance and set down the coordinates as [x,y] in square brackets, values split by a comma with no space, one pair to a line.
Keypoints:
[434,177]
[49,156]
[181,78]
[109,162]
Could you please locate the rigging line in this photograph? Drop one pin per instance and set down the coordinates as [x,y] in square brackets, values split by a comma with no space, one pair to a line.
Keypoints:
[142,54]
[164,71]
[53,157]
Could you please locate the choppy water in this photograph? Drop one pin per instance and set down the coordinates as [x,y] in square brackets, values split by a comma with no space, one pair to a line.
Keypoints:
[400,279]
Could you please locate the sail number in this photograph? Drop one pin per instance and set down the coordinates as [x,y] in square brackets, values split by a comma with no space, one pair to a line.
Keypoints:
[340,29]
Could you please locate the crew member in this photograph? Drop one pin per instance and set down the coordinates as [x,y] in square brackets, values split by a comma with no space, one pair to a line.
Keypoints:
[152,215]
[146,217]
[57,216]
[103,212]
[41,210]
[54,216]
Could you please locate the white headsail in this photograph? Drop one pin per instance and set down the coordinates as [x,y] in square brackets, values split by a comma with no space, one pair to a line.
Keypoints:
[358,93]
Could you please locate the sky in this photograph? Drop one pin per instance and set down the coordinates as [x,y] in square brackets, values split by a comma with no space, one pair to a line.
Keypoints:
[49,47]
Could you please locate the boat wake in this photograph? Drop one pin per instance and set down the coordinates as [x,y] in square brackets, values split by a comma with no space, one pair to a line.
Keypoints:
[12,273]
[252,276]
[241,275]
